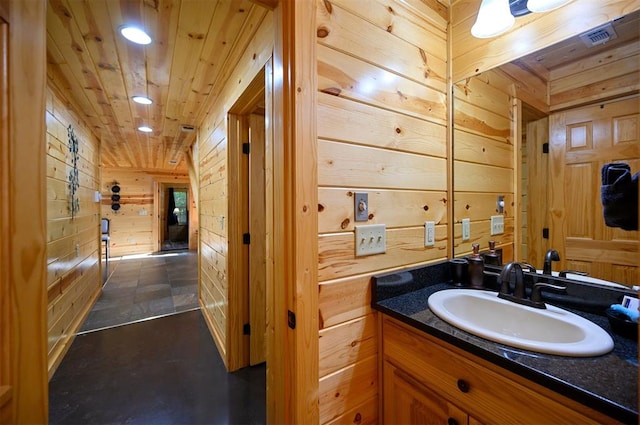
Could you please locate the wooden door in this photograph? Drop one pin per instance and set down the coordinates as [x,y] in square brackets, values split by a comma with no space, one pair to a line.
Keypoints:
[582,140]
[257,248]
[407,401]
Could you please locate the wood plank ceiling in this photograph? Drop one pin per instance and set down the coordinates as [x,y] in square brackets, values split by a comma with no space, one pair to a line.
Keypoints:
[195,43]
[574,50]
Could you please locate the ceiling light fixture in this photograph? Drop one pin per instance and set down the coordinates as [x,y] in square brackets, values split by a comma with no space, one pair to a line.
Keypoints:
[494,18]
[145,129]
[143,100]
[539,6]
[135,35]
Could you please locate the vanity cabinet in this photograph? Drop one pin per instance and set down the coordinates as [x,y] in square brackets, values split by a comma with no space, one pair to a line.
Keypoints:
[428,381]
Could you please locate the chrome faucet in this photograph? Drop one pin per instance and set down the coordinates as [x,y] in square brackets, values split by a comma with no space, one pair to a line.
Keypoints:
[514,270]
[551,255]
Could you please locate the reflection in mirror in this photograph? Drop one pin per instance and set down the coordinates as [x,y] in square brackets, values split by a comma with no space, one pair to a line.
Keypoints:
[538,131]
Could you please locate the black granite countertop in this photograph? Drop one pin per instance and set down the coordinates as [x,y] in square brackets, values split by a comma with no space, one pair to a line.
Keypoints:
[608,383]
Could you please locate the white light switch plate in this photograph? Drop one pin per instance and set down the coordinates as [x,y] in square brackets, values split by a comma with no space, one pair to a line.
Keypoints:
[429,233]
[497,224]
[466,229]
[371,239]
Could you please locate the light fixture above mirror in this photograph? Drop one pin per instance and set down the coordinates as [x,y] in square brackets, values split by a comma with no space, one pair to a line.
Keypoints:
[498,16]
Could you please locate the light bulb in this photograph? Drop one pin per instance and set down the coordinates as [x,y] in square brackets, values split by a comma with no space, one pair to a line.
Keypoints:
[538,6]
[494,17]
[135,35]
[143,100]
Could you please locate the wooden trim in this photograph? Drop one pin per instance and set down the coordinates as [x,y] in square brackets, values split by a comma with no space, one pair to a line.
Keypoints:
[296,212]
[516,136]
[450,148]
[238,223]
[24,197]
[6,293]
[275,374]
[269,4]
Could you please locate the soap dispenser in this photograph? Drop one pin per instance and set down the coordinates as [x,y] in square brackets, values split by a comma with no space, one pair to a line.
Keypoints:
[492,257]
[476,268]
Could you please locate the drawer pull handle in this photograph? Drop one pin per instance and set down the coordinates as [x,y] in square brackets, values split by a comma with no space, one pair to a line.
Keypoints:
[463,386]
[452,421]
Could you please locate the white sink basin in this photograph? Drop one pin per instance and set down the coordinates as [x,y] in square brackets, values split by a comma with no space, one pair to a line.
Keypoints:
[551,330]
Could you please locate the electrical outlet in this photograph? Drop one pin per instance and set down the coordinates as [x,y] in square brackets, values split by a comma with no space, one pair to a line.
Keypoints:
[466,229]
[497,224]
[429,233]
[371,239]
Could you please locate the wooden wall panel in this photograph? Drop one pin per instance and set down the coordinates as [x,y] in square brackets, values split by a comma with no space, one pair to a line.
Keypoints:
[73,251]
[483,159]
[382,108]
[133,226]
[213,177]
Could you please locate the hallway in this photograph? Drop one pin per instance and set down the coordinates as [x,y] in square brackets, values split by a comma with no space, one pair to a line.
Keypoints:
[145,286]
[144,355]
[161,371]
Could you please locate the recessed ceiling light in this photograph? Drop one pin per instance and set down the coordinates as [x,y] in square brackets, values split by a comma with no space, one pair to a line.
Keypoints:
[144,100]
[135,35]
[145,129]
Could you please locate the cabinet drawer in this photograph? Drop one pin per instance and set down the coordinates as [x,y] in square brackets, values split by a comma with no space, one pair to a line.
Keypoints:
[489,395]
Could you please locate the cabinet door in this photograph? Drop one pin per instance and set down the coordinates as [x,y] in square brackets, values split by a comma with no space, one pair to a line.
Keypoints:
[407,401]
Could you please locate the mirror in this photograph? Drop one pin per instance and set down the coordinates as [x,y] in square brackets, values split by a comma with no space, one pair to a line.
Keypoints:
[580,99]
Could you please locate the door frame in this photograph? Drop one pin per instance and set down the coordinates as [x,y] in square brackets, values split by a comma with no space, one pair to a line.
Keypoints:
[159,185]
[239,213]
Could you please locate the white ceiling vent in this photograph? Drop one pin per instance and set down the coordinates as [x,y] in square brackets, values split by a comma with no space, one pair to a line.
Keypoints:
[599,35]
[185,128]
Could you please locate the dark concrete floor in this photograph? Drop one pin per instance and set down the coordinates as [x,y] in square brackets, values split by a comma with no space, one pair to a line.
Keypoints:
[161,371]
[143,287]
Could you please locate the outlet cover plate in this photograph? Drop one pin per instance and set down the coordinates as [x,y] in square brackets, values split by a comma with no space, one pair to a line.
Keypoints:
[466,229]
[371,239]
[497,224]
[429,233]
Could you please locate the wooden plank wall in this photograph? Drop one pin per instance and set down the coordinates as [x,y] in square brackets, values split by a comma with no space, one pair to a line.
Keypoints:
[382,111]
[132,227]
[483,159]
[254,49]
[73,265]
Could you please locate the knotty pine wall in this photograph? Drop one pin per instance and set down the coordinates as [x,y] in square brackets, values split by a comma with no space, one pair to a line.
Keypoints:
[133,229]
[382,111]
[73,261]
[253,51]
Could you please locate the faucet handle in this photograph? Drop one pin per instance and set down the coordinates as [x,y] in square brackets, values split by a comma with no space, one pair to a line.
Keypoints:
[536,292]
[564,273]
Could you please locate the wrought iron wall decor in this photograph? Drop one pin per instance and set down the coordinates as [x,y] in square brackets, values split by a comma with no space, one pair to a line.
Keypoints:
[115,197]
[74,176]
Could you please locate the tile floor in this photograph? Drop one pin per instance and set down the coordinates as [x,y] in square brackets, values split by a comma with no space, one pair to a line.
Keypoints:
[161,371]
[141,287]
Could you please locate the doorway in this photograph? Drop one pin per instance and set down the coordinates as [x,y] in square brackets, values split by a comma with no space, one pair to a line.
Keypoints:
[248,216]
[175,223]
